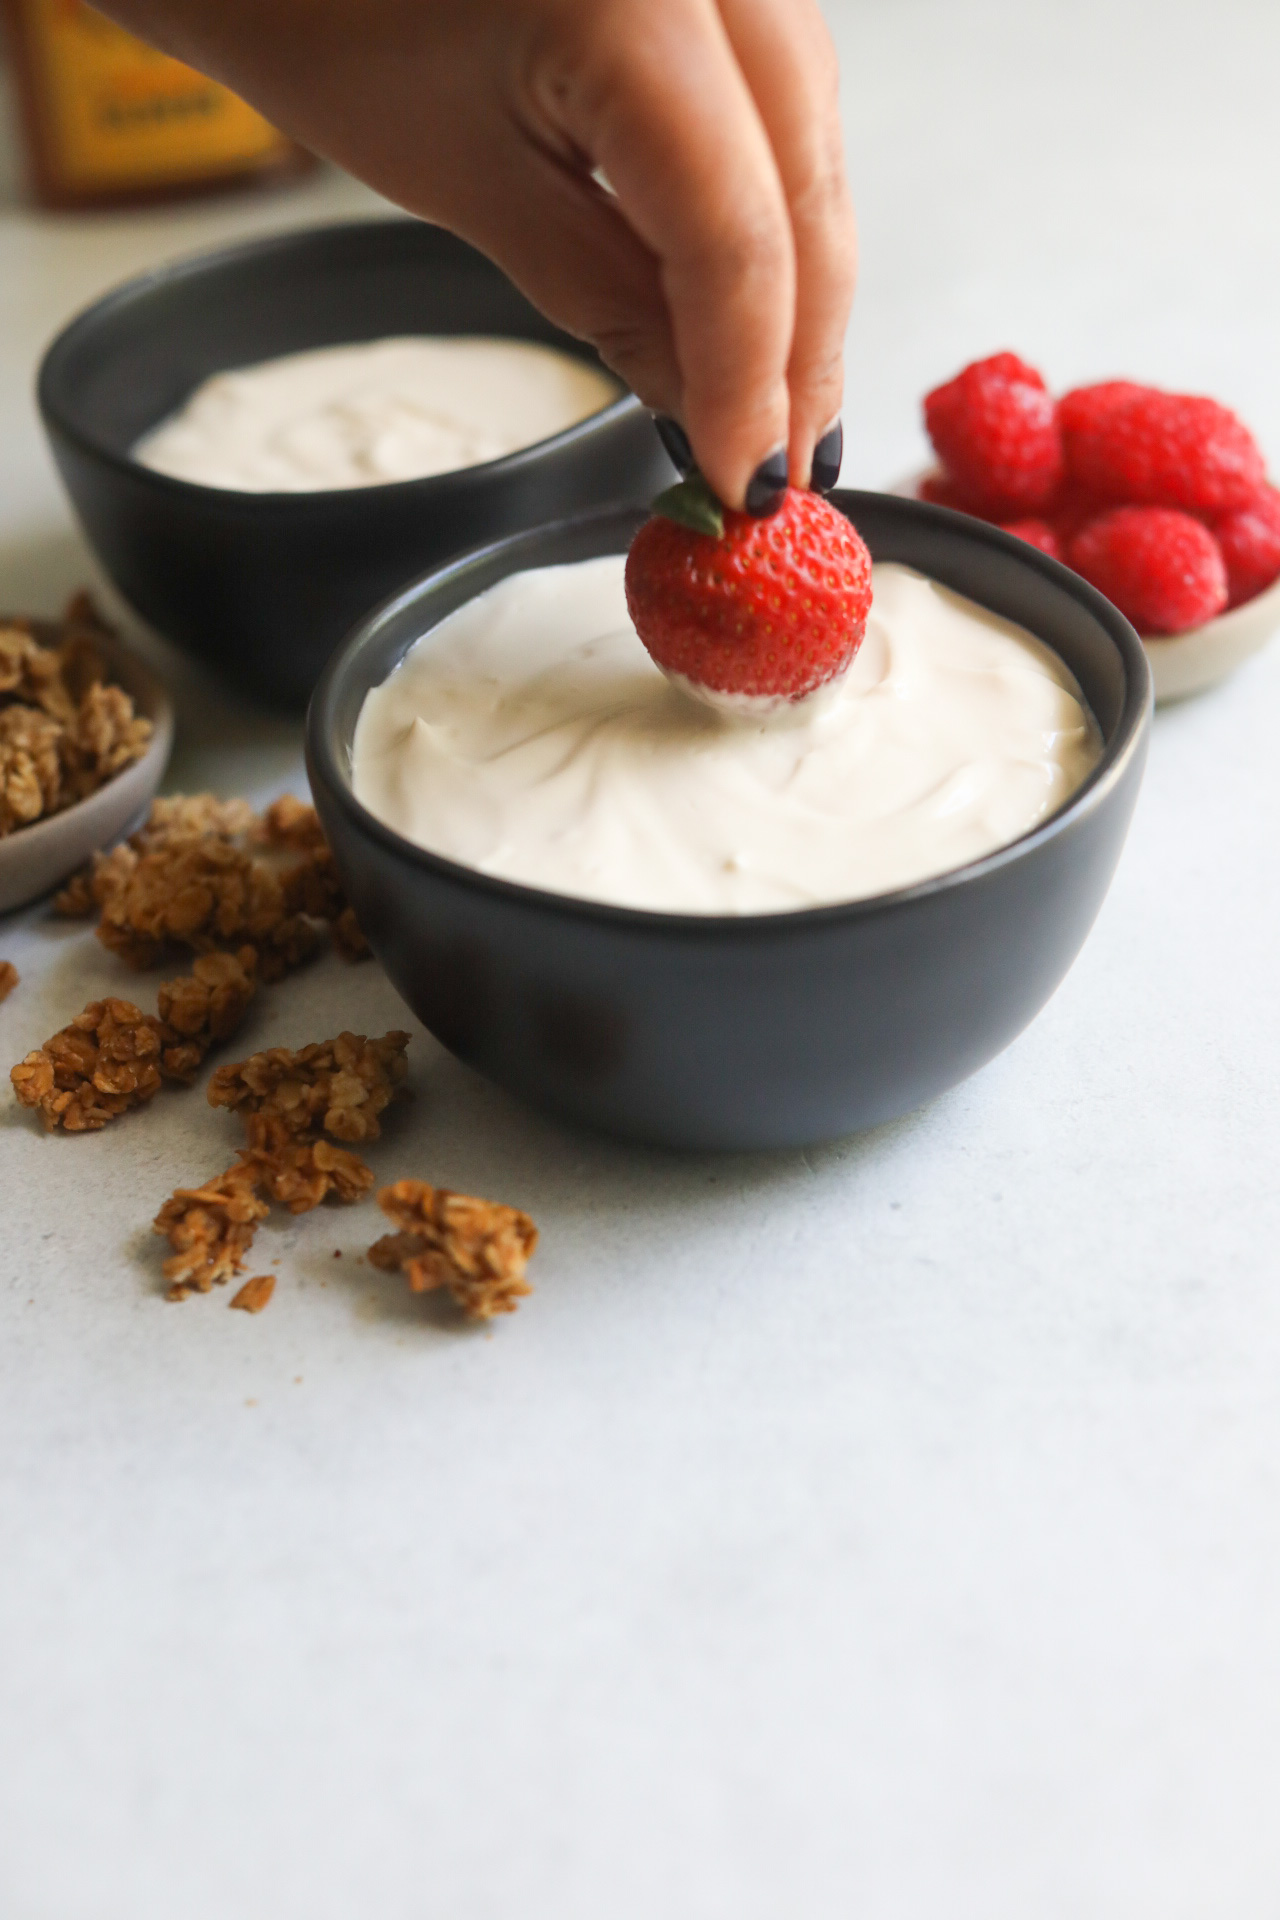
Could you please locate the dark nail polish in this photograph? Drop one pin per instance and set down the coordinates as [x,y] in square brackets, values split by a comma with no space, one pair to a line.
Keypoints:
[767,485]
[827,456]
[675,440]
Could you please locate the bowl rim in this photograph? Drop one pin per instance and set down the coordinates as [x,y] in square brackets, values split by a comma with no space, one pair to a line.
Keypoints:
[58,414]
[1117,754]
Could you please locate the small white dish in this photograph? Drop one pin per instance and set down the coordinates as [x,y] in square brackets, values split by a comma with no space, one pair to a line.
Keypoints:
[35,859]
[1187,663]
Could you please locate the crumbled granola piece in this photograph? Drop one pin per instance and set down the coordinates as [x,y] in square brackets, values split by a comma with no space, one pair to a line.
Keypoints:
[299,1174]
[289,945]
[255,1294]
[210,1229]
[30,768]
[312,886]
[477,1249]
[17,644]
[64,731]
[36,675]
[103,736]
[203,1008]
[348,936]
[204,893]
[105,1062]
[293,823]
[336,1086]
[75,901]
[86,891]
[189,816]
[8,978]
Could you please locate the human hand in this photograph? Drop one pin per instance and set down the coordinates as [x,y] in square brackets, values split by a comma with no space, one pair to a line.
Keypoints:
[715,272]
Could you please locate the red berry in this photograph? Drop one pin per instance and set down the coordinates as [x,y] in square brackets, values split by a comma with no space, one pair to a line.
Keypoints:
[995,429]
[1161,568]
[1250,543]
[940,490]
[1036,533]
[771,609]
[1072,506]
[1161,450]
[1085,407]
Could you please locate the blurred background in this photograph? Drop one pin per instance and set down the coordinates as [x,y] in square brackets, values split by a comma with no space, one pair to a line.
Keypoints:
[1086,181]
[929,1567]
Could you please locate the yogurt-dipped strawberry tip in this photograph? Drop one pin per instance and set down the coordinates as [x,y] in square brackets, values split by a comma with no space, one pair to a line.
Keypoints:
[751,615]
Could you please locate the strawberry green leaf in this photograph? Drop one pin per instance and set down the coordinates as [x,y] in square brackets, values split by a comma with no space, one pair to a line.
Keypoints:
[692,504]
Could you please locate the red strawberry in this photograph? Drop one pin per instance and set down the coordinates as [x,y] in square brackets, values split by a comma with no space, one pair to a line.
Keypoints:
[1162,569]
[1250,543]
[1161,450]
[1036,533]
[995,429]
[767,609]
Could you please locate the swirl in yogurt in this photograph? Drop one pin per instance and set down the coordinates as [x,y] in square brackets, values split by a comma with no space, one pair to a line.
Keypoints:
[372,412]
[530,736]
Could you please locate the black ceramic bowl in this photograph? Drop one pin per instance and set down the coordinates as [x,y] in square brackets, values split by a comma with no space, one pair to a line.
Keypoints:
[264,585]
[777,1029]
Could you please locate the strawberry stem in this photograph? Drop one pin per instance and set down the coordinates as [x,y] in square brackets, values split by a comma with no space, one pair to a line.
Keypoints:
[691,503]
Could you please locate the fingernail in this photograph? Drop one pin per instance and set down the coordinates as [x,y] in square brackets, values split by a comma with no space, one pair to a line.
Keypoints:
[675,440]
[767,485]
[827,456]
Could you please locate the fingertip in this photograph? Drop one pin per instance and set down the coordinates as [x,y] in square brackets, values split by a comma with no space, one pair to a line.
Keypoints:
[765,489]
[675,442]
[828,455]
[745,457]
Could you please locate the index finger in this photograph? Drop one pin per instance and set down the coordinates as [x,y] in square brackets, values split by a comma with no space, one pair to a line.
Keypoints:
[788,61]
[666,113]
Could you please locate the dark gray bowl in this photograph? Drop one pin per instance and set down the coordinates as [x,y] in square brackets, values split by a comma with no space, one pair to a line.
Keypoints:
[264,585]
[769,1031]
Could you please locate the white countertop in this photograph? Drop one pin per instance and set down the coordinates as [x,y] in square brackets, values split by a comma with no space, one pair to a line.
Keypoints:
[891,1530]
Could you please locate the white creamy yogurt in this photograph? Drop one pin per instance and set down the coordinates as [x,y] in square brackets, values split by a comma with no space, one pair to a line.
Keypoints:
[380,410]
[530,736]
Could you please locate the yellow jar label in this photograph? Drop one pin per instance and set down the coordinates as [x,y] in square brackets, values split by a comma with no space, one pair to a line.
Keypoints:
[118,114]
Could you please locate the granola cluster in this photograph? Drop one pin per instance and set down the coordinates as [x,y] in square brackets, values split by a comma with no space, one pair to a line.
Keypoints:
[113,1056]
[105,1062]
[248,896]
[64,729]
[299,1174]
[476,1249]
[8,978]
[203,894]
[208,874]
[338,1087]
[210,1230]
[287,1102]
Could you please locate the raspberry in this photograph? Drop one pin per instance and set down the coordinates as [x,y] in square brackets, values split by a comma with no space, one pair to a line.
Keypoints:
[1036,533]
[1250,543]
[1161,449]
[940,490]
[1162,569]
[1085,408]
[995,429]
[1071,508]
